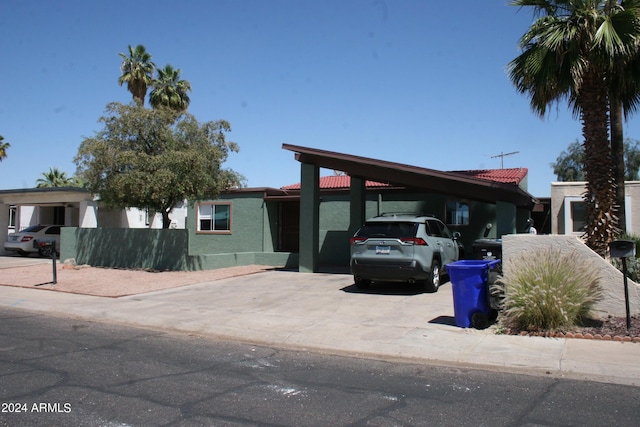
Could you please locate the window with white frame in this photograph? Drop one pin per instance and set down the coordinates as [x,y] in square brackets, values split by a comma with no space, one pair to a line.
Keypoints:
[12,217]
[457,213]
[575,215]
[214,217]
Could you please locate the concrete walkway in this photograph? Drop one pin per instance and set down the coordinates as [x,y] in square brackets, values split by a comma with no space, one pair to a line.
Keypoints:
[325,312]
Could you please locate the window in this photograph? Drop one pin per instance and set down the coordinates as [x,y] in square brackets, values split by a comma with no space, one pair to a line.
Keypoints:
[214,217]
[578,216]
[457,213]
[574,215]
[12,217]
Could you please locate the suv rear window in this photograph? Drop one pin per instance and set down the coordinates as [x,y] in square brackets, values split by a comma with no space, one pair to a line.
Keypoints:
[388,229]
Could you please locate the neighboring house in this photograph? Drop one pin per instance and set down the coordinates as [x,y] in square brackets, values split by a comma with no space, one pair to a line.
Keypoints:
[568,208]
[72,207]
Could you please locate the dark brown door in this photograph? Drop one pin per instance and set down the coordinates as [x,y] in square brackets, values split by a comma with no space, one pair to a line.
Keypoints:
[289,230]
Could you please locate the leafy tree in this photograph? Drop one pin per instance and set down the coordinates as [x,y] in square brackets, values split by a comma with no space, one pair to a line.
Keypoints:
[569,165]
[169,91]
[567,54]
[54,178]
[137,72]
[155,159]
[4,146]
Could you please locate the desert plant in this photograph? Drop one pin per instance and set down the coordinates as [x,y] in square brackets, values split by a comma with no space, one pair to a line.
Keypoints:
[547,290]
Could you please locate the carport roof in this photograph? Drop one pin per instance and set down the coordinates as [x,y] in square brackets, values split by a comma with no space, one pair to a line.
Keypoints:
[458,184]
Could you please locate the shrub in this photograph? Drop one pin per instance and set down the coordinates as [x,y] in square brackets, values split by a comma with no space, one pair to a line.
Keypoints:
[546,290]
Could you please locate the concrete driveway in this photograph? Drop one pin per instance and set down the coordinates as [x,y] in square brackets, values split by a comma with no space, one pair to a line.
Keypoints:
[326,312]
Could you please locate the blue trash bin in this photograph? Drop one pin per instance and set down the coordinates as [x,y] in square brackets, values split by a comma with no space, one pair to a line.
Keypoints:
[469,283]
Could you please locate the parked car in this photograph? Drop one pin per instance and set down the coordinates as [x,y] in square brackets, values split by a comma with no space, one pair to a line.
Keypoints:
[402,248]
[23,241]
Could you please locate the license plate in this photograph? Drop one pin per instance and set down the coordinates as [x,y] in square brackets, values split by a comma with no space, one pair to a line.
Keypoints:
[383,250]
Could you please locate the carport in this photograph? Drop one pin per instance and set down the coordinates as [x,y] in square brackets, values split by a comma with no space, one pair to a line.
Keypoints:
[69,206]
[510,199]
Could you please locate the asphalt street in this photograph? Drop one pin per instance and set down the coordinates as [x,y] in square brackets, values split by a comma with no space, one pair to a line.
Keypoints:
[59,371]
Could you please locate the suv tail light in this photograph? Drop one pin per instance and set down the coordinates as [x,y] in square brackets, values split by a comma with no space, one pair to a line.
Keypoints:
[357,240]
[415,240]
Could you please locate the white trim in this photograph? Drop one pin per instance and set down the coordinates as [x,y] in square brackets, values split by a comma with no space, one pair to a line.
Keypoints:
[568,221]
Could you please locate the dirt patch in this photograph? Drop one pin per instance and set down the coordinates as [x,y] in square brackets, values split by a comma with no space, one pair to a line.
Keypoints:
[111,282]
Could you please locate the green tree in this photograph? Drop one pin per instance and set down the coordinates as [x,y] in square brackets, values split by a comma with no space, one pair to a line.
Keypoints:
[54,178]
[567,54]
[137,72]
[4,146]
[569,165]
[169,91]
[155,159]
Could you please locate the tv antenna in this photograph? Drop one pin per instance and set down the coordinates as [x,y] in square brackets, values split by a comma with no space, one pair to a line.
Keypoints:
[502,156]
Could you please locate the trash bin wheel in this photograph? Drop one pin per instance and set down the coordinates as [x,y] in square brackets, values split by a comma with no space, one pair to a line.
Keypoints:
[479,320]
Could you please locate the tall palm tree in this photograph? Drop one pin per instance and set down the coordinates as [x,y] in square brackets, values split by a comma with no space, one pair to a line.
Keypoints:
[624,99]
[54,178]
[169,91]
[4,146]
[137,72]
[567,54]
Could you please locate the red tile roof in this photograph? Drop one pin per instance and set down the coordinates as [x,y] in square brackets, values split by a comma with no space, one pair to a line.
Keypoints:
[510,176]
[334,182]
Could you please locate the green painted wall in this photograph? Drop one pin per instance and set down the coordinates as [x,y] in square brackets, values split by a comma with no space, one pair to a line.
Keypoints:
[248,218]
[335,215]
[128,248]
[254,233]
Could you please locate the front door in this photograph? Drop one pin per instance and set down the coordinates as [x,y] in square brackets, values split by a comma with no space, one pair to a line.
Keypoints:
[289,226]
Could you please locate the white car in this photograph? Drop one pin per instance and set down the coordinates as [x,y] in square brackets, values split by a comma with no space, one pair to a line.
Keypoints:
[23,242]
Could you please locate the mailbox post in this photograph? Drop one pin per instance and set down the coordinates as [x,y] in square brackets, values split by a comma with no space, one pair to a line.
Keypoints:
[47,247]
[624,249]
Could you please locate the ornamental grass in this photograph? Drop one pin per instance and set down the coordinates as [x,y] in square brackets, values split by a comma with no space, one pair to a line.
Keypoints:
[548,290]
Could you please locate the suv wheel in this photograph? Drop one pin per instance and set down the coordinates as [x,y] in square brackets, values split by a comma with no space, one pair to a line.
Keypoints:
[433,282]
[361,283]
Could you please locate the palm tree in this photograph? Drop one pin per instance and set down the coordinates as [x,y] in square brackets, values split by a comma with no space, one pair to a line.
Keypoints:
[4,146]
[54,178]
[567,54]
[169,91]
[137,72]
[624,98]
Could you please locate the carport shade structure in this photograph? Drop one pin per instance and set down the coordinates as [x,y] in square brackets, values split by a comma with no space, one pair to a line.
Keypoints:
[458,184]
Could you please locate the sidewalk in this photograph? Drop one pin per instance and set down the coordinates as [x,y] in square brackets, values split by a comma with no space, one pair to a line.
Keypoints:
[325,312]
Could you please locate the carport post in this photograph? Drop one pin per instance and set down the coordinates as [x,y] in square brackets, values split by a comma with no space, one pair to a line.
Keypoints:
[309,218]
[357,194]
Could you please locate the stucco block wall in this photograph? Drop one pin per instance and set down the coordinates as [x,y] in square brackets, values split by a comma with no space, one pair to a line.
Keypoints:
[611,279]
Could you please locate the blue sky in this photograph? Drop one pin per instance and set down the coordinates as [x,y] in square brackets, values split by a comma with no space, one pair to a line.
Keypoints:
[412,82]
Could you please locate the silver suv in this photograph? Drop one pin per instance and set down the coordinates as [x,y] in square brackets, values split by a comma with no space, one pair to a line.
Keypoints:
[402,248]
